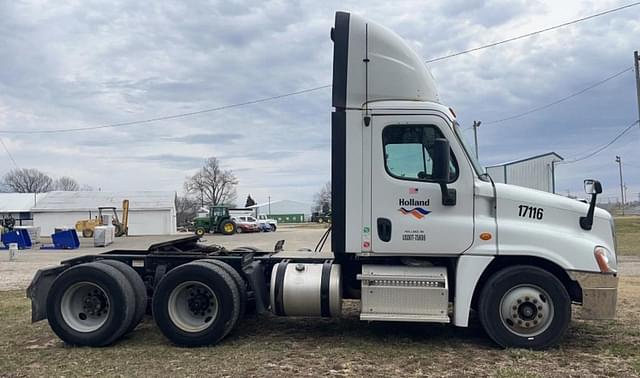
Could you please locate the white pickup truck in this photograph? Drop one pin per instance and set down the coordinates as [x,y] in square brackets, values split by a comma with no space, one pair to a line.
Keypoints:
[262,219]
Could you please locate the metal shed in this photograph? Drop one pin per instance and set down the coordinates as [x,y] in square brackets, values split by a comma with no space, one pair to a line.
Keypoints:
[150,212]
[285,211]
[536,172]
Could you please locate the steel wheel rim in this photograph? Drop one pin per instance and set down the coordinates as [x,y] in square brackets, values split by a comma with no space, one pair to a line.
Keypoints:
[85,307]
[526,310]
[228,227]
[192,306]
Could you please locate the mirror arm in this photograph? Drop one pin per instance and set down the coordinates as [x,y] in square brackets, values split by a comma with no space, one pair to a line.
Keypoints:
[587,222]
[448,195]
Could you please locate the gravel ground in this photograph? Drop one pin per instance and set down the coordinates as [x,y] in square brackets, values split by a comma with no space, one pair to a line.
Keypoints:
[17,274]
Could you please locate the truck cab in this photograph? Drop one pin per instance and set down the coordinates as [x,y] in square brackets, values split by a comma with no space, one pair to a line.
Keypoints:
[408,191]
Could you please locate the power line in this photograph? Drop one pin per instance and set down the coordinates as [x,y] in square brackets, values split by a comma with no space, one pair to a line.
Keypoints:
[163,118]
[9,153]
[532,33]
[603,147]
[182,115]
[556,102]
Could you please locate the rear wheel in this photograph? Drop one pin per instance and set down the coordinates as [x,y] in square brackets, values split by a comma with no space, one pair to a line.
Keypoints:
[90,305]
[525,307]
[228,227]
[194,303]
[139,289]
[240,288]
[87,233]
[273,228]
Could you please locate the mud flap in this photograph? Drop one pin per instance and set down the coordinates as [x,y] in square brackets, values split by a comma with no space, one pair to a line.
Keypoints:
[39,289]
[254,272]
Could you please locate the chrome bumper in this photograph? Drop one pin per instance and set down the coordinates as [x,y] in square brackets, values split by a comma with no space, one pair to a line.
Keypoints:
[599,294]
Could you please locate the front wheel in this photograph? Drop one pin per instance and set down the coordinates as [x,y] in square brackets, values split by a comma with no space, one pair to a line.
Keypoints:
[200,231]
[525,307]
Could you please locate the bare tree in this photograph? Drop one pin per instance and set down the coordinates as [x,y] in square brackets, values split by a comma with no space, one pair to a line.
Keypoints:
[322,199]
[28,180]
[86,188]
[66,184]
[213,185]
[186,209]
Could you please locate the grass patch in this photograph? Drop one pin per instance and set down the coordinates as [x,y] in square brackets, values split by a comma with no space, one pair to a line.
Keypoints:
[628,235]
[273,346]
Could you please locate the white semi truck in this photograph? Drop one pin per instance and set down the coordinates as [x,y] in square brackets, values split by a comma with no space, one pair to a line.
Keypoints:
[419,234]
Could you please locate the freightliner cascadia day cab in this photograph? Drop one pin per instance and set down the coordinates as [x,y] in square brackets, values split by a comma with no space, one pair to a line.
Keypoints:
[419,234]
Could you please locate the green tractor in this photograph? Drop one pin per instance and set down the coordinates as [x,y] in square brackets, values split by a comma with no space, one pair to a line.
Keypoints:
[218,220]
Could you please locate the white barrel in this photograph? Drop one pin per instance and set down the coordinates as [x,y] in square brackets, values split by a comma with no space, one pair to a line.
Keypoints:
[304,289]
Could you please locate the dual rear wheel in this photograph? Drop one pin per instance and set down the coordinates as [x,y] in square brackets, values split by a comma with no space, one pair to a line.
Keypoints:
[199,303]
[95,304]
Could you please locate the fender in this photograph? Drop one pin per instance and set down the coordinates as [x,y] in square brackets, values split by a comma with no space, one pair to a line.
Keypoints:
[468,271]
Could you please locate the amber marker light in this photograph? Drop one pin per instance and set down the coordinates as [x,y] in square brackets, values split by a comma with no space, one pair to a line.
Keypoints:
[485,236]
[602,259]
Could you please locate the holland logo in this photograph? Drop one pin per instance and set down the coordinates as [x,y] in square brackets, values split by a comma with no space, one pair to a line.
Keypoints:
[417,212]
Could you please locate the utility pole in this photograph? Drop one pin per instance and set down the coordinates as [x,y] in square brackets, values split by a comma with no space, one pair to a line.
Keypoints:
[269,206]
[619,161]
[476,124]
[636,63]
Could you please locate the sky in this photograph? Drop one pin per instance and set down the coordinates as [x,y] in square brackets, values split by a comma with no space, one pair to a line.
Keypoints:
[73,64]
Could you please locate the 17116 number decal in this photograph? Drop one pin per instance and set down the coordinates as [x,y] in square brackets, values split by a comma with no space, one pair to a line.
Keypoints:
[530,212]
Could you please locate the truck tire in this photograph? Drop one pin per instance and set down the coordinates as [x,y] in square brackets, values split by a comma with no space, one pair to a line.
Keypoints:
[200,231]
[273,227]
[139,290]
[87,233]
[194,303]
[90,305]
[241,286]
[227,227]
[525,307]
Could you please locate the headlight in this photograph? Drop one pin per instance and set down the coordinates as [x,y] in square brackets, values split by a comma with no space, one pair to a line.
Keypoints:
[606,260]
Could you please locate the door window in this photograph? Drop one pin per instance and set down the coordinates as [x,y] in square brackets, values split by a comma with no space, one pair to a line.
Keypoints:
[408,150]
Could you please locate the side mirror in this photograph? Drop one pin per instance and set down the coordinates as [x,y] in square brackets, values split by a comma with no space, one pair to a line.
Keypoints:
[441,160]
[592,186]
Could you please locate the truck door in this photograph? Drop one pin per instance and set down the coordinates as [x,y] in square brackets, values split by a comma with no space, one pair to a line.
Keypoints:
[408,215]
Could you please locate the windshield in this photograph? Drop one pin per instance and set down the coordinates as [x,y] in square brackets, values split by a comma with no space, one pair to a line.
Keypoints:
[469,151]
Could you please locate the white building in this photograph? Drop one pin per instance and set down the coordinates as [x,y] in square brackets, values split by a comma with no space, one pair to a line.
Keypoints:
[285,211]
[18,206]
[150,212]
[537,172]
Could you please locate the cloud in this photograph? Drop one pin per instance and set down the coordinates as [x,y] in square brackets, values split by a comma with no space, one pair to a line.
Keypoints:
[78,64]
